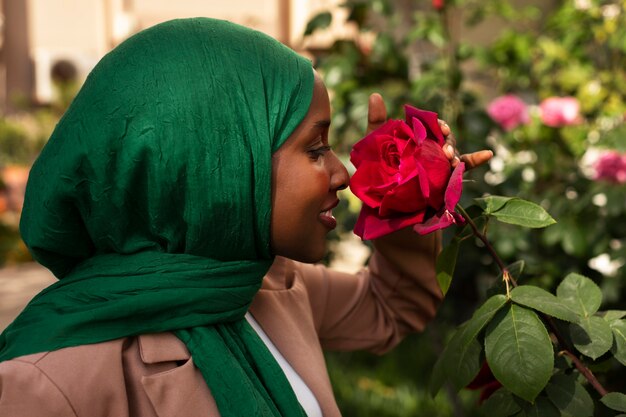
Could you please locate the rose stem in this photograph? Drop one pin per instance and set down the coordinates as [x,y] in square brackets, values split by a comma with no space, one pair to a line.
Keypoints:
[586,372]
[484,239]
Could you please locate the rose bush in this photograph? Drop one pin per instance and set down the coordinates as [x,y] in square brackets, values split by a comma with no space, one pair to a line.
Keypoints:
[404,178]
[560,111]
[509,111]
[611,167]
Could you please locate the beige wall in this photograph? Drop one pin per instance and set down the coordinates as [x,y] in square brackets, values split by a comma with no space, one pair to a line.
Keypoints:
[82,31]
[259,14]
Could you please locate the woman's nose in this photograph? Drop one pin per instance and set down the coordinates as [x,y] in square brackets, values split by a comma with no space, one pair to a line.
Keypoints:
[339,179]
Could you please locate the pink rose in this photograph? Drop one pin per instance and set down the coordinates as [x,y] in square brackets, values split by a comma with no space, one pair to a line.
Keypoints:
[403,177]
[509,111]
[611,167]
[560,111]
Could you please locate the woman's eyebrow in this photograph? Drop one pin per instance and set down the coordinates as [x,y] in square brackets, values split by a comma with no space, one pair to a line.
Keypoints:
[322,124]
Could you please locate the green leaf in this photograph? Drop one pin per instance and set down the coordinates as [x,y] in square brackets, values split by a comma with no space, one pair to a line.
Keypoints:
[619,340]
[592,336]
[541,300]
[465,361]
[570,397]
[438,375]
[492,203]
[615,400]
[465,364]
[320,21]
[516,211]
[519,351]
[580,293]
[541,408]
[446,262]
[611,315]
[500,404]
[523,213]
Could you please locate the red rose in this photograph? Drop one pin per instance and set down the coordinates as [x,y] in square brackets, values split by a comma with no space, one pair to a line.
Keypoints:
[485,382]
[438,4]
[403,177]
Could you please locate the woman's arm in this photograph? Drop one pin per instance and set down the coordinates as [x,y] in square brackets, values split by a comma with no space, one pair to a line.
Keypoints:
[376,308]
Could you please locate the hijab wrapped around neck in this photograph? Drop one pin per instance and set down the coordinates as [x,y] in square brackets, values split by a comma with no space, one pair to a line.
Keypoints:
[151,203]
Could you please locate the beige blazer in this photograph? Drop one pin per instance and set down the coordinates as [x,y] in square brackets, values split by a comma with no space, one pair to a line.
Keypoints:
[302,308]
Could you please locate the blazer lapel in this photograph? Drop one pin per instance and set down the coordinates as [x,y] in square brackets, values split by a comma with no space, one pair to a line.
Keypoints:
[283,314]
[175,389]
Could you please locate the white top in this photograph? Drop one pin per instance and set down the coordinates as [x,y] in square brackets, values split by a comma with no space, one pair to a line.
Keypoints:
[303,392]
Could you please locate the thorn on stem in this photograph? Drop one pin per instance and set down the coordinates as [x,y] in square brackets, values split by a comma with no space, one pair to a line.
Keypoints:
[506,277]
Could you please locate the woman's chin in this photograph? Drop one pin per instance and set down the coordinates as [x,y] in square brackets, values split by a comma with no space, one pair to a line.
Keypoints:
[308,255]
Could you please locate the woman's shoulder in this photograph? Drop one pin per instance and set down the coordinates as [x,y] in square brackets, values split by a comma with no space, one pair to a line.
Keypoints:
[51,381]
[91,377]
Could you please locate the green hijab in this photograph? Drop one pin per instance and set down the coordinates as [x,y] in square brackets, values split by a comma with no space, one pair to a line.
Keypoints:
[151,203]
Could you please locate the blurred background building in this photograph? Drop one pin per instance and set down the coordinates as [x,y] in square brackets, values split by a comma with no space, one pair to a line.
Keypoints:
[44,40]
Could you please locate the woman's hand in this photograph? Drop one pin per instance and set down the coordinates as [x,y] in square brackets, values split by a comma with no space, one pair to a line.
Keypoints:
[377,115]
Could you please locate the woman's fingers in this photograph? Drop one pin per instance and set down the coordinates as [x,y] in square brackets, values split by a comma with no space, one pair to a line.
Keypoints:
[474,159]
[450,147]
[445,129]
[376,113]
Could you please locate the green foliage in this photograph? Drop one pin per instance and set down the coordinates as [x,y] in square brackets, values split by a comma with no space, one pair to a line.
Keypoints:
[446,262]
[580,294]
[15,146]
[517,344]
[423,57]
[501,403]
[21,138]
[569,396]
[615,400]
[519,351]
[541,300]
[619,345]
[592,337]
[461,360]
[515,211]
[320,21]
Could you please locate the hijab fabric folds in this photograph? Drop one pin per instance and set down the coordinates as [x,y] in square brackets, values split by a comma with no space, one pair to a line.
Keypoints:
[151,203]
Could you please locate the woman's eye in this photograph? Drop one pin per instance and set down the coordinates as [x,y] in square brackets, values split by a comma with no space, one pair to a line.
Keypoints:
[316,153]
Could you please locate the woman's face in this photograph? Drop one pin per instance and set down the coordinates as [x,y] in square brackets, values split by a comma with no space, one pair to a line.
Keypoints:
[306,176]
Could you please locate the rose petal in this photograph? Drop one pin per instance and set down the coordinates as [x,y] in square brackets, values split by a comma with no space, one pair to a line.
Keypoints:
[428,118]
[455,187]
[437,165]
[435,223]
[423,178]
[370,226]
[368,148]
[419,131]
[370,185]
[403,198]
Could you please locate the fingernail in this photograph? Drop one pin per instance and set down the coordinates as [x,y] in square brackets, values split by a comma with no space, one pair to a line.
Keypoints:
[449,150]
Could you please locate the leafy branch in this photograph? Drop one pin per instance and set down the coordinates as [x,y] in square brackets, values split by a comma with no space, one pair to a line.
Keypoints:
[512,331]
[506,276]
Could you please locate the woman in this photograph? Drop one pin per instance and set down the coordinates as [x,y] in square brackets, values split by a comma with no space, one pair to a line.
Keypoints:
[194,154]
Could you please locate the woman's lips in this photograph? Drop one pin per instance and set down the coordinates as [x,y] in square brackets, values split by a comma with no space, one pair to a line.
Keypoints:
[327,219]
